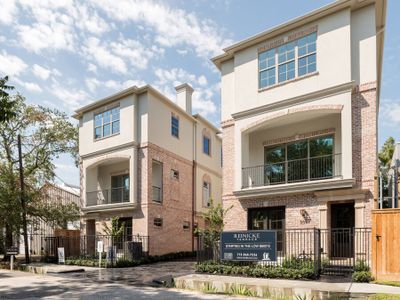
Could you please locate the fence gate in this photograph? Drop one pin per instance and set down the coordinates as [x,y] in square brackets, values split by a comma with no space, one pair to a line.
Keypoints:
[386,244]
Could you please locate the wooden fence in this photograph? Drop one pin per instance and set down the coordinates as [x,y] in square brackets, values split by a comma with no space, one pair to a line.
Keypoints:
[386,244]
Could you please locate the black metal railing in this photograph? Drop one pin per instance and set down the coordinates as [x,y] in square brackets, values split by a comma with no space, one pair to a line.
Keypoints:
[108,196]
[336,251]
[291,171]
[126,247]
[157,194]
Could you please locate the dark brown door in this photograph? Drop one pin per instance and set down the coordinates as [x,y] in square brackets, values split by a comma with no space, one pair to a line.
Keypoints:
[342,230]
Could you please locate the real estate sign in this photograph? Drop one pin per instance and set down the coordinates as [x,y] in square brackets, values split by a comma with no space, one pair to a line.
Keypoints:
[256,245]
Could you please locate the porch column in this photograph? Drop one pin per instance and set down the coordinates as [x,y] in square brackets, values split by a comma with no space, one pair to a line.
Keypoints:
[133,176]
[323,224]
[347,140]
[360,235]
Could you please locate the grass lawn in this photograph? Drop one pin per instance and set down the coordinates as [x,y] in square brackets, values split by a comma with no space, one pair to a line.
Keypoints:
[384,297]
[391,283]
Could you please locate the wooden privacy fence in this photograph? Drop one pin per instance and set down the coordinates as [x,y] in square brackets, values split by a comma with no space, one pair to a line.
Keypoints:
[386,244]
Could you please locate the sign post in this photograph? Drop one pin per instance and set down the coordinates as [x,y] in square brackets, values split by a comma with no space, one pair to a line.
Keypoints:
[13,250]
[100,247]
[61,255]
[255,245]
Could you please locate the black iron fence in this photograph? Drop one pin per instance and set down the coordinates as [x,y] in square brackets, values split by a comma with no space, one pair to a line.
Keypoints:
[127,247]
[290,171]
[327,251]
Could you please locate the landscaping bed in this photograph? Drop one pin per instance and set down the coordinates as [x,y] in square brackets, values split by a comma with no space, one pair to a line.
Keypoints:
[124,263]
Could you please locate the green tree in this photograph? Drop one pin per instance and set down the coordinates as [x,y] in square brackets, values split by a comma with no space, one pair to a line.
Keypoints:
[115,230]
[214,218]
[6,104]
[45,135]
[386,153]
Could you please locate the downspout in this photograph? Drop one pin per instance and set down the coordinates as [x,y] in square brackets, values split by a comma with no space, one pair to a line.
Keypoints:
[194,182]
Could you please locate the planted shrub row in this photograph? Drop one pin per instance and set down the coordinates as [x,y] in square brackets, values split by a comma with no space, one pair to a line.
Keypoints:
[123,263]
[303,272]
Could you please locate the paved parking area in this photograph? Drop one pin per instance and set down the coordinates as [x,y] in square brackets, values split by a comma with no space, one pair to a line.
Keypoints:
[23,285]
[141,275]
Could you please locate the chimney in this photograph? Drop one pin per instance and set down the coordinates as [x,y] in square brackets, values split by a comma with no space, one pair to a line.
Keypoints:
[184,97]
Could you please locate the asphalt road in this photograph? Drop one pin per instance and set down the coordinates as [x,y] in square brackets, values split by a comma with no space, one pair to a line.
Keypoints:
[23,285]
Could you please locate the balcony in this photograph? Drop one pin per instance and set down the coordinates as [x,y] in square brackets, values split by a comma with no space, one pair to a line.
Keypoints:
[107,196]
[293,171]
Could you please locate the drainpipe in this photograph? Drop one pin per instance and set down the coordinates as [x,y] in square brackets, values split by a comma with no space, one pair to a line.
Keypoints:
[194,182]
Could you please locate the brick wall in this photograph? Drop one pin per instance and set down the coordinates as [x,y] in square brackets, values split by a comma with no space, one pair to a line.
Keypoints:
[176,205]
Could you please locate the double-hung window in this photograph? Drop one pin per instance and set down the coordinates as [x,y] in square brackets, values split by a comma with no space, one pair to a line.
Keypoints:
[106,123]
[266,65]
[175,126]
[307,52]
[286,62]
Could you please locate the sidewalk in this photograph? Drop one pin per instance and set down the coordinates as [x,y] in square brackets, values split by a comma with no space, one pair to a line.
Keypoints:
[46,268]
[282,287]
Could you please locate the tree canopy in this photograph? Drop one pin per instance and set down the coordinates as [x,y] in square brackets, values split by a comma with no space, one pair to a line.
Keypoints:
[386,153]
[45,135]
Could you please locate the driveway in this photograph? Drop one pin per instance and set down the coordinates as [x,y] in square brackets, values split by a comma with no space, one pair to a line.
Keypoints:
[23,285]
[143,275]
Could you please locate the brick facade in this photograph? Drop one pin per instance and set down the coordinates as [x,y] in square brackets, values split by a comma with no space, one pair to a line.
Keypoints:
[364,148]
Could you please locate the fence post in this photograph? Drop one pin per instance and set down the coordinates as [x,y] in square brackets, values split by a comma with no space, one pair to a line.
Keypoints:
[317,251]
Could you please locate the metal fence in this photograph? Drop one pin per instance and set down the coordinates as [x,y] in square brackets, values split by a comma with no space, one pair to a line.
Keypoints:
[327,251]
[289,171]
[107,196]
[127,247]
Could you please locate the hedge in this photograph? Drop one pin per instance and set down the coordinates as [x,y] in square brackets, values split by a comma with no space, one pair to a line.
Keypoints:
[123,263]
[211,267]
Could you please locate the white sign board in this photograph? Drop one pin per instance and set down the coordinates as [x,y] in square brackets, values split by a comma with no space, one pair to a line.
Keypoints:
[61,255]
[100,247]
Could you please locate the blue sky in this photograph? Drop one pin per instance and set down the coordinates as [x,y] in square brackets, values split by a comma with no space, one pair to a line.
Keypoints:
[67,53]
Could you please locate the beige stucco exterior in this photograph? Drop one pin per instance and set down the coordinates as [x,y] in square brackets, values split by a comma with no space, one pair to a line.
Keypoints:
[340,98]
[144,139]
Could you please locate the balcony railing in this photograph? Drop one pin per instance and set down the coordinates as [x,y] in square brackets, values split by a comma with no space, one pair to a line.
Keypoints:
[157,194]
[109,196]
[291,171]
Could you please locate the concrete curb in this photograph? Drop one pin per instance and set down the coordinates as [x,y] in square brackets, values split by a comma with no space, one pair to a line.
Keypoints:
[280,288]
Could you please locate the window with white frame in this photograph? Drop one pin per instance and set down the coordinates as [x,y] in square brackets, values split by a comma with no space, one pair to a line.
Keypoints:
[206,193]
[307,52]
[266,64]
[106,123]
[279,64]
[286,62]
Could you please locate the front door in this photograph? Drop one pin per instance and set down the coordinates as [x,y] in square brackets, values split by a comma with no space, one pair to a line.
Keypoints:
[269,218]
[342,230]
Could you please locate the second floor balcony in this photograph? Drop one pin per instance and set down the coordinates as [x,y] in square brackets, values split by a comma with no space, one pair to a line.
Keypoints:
[107,196]
[292,171]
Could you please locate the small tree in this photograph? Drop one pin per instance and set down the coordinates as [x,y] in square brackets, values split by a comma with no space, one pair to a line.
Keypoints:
[115,230]
[214,218]
[385,158]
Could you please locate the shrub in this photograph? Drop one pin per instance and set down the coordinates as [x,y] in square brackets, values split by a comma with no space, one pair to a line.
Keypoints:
[362,276]
[229,268]
[361,265]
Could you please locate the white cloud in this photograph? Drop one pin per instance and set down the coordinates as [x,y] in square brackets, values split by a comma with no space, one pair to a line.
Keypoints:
[182,52]
[30,86]
[172,27]
[8,11]
[93,84]
[70,97]
[390,112]
[92,68]
[11,65]
[102,55]
[119,55]
[41,72]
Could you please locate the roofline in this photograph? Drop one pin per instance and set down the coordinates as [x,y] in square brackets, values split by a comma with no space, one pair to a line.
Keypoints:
[289,25]
[63,188]
[134,90]
[198,116]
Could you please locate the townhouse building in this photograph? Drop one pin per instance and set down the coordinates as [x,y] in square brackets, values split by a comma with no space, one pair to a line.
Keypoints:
[299,119]
[150,162]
